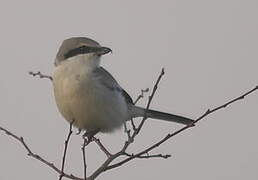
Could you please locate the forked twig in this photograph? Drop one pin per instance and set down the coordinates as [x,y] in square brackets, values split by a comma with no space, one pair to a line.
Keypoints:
[38,157]
[169,136]
[41,75]
[141,95]
[150,100]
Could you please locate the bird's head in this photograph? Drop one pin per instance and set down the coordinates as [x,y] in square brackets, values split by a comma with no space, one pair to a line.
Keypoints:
[80,46]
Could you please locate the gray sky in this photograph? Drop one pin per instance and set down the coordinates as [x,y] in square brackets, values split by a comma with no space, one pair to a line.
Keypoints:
[208,49]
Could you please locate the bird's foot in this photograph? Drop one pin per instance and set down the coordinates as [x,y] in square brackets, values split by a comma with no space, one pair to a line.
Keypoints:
[79,131]
[88,135]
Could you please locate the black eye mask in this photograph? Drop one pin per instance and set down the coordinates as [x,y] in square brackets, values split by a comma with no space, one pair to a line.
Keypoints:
[81,50]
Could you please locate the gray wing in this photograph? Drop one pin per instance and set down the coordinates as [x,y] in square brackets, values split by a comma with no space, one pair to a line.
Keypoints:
[109,81]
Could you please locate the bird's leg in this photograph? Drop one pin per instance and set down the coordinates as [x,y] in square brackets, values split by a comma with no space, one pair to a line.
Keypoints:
[125,127]
[79,131]
[88,135]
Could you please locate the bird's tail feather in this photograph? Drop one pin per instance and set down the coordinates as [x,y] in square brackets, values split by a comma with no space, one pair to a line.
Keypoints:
[161,116]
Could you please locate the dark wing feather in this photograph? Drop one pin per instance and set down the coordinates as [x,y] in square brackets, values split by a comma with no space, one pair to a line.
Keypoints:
[109,81]
[127,97]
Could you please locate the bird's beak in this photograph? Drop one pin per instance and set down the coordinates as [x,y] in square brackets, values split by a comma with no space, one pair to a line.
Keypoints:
[103,50]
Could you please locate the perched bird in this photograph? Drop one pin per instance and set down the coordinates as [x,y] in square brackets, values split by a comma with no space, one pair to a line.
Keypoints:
[88,95]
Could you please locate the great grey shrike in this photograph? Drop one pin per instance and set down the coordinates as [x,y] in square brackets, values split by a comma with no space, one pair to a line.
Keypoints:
[88,95]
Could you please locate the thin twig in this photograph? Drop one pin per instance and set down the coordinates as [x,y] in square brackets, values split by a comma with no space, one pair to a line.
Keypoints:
[137,129]
[141,95]
[133,125]
[40,75]
[164,156]
[226,104]
[85,142]
[87,139]
[103,167]
[150,100]
[65,150]
[101,146]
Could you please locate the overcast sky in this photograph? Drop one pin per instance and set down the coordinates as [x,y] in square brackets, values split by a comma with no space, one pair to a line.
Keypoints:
[208,50]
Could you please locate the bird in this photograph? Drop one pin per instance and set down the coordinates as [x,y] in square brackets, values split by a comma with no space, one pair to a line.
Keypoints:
[88,96]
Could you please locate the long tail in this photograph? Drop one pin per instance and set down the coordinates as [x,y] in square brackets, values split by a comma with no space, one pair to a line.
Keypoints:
[139,112]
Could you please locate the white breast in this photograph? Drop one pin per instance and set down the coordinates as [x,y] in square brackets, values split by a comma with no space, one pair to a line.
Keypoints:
[81,98]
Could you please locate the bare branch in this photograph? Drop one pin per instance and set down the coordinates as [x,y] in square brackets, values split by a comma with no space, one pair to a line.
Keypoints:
[38,157]
[135,102]
[226,104]
[137,129]
[103,167]
[150,100]
[101,146]
[85,143]
[165,156]
[141,95]
[40,75]
[65,150]
[133,125]
[169,136]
